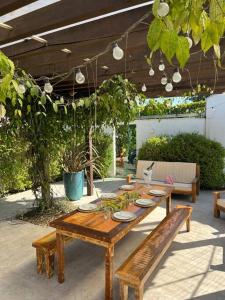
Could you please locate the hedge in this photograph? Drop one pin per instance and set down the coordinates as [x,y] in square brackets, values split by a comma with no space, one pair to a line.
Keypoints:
[14,161]
[189,147]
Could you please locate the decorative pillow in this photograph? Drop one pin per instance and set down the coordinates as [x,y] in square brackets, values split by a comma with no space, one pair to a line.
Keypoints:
[169,180]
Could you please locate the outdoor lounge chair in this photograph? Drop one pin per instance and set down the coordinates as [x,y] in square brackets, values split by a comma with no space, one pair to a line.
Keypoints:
[219,203]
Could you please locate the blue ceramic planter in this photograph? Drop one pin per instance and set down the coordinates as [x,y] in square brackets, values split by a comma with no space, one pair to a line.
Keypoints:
[74,184]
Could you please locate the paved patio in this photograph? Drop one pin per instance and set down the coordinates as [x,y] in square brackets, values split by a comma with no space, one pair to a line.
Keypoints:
[193,268]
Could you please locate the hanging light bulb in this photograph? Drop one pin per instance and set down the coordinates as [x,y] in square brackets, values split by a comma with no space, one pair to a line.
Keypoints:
[2,111]
[151,72]
[164,80]
[163,9]
[161,66]
[144,88]
[169,87]
[80,77]
[176,76]
[117,52]
[21,88]
[190,42]
[48,87]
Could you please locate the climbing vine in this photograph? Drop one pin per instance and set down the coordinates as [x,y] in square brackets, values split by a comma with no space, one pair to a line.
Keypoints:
[179,23]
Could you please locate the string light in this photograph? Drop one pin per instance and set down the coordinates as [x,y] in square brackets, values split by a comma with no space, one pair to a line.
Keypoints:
[144,88]
[48,87]
[163,9]
[169,87]
[118,53]
[190,42]
[164,80]
[177,76]
[21,88]
[80,77]
[151,72]
[161,66]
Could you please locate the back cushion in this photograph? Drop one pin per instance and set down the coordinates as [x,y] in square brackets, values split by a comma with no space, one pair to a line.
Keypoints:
[180,171]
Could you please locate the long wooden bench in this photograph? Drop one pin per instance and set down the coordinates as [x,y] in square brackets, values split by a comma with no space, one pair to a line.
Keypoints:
[45,252]
[135,271]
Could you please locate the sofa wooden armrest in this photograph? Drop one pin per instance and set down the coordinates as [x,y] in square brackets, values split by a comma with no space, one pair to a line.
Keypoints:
[129,177]
[216,207]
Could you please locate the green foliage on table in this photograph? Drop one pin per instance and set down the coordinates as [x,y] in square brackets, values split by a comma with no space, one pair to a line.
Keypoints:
[189,147]
[165,107]
[120,202]
[201,20]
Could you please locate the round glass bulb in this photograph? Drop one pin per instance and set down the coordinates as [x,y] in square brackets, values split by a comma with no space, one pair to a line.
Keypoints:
[151,72]
[117,52]
[190,42]
[144,88]
[80,77]
[21,88]
[48,87]
[177,77]
[163,9]
[164,80]
[169,87]
[161,67]
[2,111]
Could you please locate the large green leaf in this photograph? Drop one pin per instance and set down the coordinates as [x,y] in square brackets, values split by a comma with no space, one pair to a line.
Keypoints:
[154,33]
[168,43]
[182,51]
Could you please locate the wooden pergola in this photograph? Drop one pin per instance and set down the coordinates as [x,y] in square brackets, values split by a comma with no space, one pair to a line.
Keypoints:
[87,39]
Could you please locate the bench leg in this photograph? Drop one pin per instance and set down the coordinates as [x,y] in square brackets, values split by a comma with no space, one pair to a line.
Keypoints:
[139,293]
[188,224]
[194,193]
[49,264]
[39,255]
[168,205]
[123,291]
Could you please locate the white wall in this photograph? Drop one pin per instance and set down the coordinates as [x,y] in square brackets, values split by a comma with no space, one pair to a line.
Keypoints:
[215,116]
[213,126]
[170,126]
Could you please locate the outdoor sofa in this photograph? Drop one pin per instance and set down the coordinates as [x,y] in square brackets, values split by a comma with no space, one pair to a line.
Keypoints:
[186,176]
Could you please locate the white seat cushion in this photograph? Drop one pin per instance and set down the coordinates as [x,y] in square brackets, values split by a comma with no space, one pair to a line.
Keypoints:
[221,202]
[177,185]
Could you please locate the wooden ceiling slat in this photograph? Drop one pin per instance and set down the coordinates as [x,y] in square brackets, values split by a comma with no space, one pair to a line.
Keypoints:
[7,6]
[60,14]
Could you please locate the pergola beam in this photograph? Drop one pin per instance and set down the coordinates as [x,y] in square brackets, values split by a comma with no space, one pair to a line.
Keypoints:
[7,6]
[58,15]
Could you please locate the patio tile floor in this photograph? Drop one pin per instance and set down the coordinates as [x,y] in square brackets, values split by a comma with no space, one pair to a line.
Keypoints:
[193,268]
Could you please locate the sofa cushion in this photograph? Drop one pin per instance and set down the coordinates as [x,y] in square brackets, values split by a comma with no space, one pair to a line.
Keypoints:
[177,186]
[181,172]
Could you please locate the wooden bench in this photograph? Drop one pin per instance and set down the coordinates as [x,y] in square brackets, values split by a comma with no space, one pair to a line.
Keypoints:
[135,271]
[45,252]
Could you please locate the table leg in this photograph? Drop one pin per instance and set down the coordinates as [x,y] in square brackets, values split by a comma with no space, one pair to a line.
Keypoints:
[109,273]
[60,256]
[168,204]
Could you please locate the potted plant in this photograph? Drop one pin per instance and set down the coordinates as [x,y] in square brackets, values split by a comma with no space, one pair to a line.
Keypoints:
[74,163]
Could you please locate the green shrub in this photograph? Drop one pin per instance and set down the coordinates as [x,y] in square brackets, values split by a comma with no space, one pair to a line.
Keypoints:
[14,164]
[189,147]
[103,144]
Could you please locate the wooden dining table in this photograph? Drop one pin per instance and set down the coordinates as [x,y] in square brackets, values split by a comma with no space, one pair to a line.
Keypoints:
[94,228]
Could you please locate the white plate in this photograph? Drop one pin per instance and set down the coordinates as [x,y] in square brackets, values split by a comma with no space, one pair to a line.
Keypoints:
[87,207]
[145,202]
[127,187]
[157,192]
[108,195]
[124,216]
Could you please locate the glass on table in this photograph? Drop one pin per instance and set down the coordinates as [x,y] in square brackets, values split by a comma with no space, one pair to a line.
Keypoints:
[107,213]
